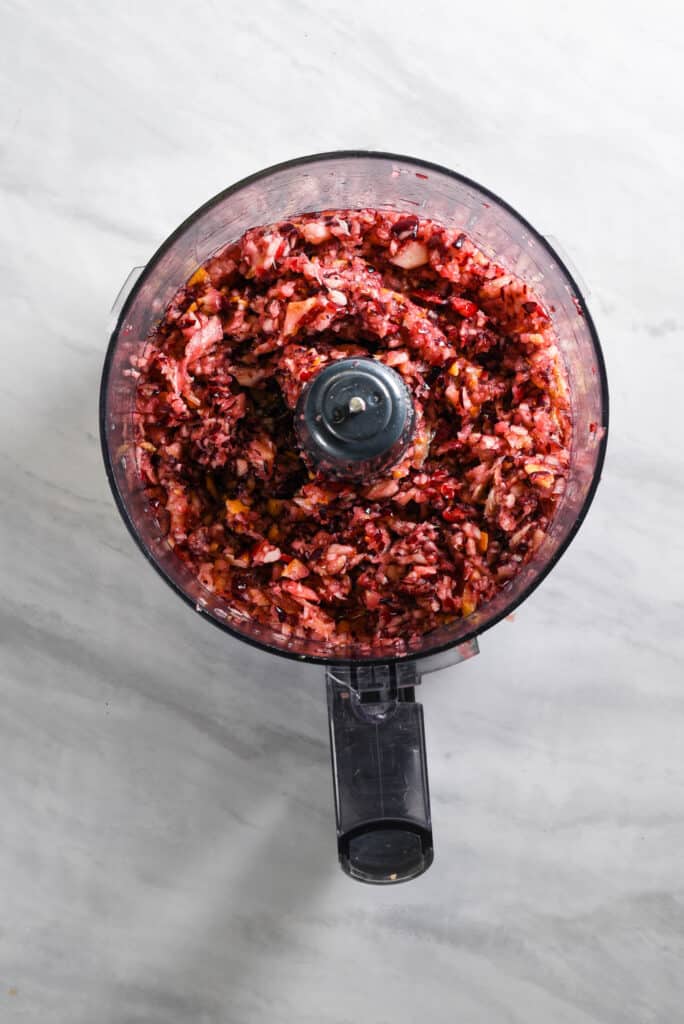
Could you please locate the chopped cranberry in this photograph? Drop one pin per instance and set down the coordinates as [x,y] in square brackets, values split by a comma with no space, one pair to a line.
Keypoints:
[432,298]
[406,227]
[464,307]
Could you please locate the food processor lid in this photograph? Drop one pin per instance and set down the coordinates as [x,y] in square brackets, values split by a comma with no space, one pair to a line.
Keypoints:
[355,417]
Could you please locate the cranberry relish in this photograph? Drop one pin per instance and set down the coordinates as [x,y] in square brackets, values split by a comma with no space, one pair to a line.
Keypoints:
[385,561]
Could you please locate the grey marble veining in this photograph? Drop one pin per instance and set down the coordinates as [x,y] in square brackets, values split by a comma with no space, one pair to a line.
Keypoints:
[166,838]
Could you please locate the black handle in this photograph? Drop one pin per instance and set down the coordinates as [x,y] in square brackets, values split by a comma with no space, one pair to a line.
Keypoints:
[382,801]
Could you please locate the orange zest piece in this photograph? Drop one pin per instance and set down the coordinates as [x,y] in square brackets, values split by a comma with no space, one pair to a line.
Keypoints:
[235,507]
[198,277]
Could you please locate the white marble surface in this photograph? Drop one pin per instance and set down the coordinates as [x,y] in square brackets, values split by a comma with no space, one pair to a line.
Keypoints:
[166,838]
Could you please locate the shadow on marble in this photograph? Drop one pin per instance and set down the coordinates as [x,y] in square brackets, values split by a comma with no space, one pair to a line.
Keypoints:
[224,947]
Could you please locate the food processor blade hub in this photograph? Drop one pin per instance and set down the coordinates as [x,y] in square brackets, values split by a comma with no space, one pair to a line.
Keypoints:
[355,418]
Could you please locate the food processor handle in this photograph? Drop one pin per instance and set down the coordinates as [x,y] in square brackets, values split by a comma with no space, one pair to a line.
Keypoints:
[124,291]
[382,801]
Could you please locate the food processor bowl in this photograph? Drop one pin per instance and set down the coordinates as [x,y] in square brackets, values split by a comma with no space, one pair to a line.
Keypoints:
[379,766]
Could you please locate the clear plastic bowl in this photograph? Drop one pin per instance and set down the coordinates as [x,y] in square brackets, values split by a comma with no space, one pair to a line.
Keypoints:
[353,180]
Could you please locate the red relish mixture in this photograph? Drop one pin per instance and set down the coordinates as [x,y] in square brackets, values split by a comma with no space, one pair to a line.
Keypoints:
[382,562]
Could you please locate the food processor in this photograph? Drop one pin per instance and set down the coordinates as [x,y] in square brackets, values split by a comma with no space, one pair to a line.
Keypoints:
[381,794]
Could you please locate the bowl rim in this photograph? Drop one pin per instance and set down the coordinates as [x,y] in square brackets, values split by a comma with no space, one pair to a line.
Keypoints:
[167,244]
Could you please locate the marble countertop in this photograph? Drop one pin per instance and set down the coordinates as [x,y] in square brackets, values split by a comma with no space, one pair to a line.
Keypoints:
[167,846]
